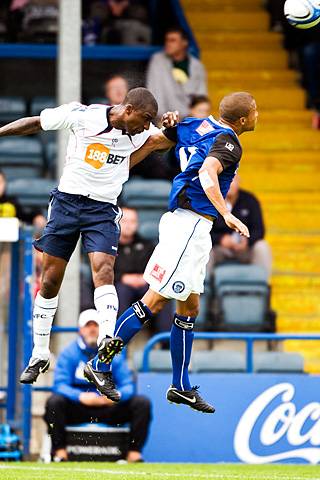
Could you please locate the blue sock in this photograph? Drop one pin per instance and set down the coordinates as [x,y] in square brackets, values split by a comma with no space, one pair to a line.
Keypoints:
[181,345]
[128,324]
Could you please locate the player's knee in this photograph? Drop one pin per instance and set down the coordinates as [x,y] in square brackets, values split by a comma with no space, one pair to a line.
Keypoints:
[192,311]
[50,286]
[103,275]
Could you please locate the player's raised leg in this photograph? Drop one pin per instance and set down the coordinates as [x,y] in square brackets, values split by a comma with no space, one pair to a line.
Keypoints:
[106,302]
[181,340]
[45,307]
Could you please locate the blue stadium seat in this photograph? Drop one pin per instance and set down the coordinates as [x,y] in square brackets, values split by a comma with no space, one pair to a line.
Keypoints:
[99,100]
[278,362]
[140,193]
[21,157]
[12,108]
[40,103]
[149,229]
[32,192]
[159,360]
[242,295]
[218,361]
[51,150]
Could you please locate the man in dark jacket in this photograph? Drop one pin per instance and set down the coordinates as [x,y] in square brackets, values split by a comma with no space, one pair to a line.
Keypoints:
[76,401]
[230,246]
[133,254]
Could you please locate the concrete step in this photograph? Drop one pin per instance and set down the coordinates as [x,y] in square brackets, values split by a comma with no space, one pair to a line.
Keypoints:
[254,59]
[280,120]
[310,349]
[294,141]
[236,21]
[282,161]
[298,324]
[292,97]
[239,40]
[262,180]
[245,80]
[225,5]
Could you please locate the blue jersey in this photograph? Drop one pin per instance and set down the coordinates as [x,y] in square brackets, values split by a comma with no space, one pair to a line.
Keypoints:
[196,140]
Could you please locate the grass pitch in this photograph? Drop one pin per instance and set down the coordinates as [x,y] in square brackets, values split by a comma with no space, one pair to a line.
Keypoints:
[154,471]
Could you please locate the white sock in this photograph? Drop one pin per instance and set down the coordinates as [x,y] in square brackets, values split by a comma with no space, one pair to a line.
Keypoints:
[107,304]
[43,313]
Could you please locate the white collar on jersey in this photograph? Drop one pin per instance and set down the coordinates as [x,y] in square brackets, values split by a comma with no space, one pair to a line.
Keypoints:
[221,124]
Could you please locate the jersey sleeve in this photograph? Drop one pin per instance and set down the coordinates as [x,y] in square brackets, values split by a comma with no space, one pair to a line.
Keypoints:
[226,149]
[63,117]
[141,138]
[171,134]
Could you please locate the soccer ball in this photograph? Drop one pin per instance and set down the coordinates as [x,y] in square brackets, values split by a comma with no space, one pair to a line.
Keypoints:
[302,13]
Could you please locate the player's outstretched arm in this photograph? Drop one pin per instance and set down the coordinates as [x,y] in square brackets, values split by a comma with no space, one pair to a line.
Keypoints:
[23,126]
[155,142]
[208,176]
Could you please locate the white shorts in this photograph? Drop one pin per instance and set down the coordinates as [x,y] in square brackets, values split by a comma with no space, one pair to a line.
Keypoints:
[177,266]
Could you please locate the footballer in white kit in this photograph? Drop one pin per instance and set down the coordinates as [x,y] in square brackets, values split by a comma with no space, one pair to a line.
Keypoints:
[101,140]
[209,153]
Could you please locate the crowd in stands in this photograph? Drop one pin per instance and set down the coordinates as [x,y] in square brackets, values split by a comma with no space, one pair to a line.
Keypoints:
[178,81]
[112,22]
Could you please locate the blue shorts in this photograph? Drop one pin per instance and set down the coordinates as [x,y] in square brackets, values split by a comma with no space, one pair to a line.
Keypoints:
[70,216]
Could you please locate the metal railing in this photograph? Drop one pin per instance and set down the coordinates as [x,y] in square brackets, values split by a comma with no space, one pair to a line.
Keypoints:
[248,338]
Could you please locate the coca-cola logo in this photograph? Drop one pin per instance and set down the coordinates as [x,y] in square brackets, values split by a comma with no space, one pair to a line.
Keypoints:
[300,428]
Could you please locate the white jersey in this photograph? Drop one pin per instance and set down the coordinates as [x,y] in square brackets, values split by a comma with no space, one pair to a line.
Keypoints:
[97,159]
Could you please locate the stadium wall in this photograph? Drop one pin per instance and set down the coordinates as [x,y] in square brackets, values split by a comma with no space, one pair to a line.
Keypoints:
[259,418]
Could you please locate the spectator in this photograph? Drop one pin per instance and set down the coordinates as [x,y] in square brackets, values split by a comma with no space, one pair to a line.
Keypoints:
[116,89]
[200,106]
[127,23]
[230,246]
[75,401]
[133,255]
[174,75]
[9,206]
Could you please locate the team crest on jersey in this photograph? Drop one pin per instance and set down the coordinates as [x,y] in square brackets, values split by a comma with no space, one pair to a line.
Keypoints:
[158,272]
[178,287]
[229,146]
[204,128]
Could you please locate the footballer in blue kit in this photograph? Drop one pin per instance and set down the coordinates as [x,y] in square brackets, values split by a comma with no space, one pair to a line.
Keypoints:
[209,153]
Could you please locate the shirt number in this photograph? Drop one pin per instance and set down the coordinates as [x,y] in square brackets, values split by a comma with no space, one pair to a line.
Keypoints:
[185,154]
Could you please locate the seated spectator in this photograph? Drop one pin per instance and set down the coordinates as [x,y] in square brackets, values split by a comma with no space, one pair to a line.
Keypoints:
[40,21]
[229,245]
[133,254]
[126,24]
[116,89]
[76,401]
[9,206]
[200,106]
[174,75]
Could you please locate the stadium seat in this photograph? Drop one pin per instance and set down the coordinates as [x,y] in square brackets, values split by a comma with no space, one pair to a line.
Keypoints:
[159,361]
[12,108]
[31,193]
[140,193]
[242,297]
[99,100]
[278,362]
[40,103]
[218,361]
[149,229]
[50,150]
[21,157]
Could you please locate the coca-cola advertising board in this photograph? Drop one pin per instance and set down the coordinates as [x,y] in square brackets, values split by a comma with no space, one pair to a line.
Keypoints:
[259,418]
